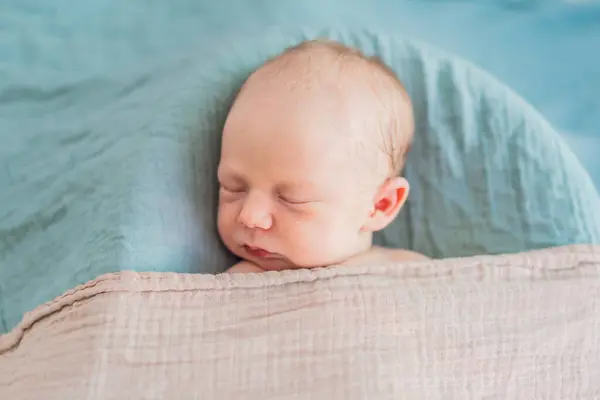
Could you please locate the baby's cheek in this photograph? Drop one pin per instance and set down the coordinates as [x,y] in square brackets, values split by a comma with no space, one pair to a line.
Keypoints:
[308,237]
[226,218]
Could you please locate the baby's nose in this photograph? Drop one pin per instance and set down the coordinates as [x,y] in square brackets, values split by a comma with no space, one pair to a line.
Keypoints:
[256,213]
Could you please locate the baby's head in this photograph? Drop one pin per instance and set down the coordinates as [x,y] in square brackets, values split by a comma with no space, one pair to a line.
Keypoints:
[311,152]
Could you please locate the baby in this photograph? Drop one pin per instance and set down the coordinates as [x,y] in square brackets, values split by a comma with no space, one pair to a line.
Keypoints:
[311,152]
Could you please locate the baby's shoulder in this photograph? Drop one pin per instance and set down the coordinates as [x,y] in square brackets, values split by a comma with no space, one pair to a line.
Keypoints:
[399,254]
[381,255]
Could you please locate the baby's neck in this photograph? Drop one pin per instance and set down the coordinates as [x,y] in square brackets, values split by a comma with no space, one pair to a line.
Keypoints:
[365,245]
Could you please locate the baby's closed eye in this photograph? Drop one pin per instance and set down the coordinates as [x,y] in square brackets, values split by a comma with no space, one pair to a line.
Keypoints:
[296,194]
[233,188]
[293,199]
[229,193]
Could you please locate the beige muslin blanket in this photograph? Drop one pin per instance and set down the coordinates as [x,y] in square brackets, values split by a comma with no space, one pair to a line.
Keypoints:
[523,326]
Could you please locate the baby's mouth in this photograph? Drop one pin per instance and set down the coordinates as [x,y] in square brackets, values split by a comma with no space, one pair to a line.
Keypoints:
[258,252]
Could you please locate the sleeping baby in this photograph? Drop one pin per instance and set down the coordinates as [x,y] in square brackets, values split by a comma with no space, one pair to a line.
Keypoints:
[311,152]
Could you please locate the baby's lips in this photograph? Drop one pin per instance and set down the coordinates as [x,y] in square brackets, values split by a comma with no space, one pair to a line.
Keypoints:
[257,251]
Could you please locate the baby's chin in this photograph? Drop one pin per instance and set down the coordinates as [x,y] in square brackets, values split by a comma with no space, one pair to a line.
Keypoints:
[279,264]
[283,264]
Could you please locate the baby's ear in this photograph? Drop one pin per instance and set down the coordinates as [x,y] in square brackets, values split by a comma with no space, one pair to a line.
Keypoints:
[390,198]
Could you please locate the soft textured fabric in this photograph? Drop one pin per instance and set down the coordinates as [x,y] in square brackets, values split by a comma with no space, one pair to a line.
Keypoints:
[523,326]
[118,172]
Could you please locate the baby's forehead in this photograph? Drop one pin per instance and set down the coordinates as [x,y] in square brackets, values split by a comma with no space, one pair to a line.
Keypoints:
[332,73]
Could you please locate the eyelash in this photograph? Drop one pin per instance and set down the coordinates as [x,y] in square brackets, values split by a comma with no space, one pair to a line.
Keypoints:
[288,201]
[281,197]
[233,190]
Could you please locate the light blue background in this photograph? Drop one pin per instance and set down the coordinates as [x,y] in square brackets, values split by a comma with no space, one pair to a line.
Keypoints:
[547,50]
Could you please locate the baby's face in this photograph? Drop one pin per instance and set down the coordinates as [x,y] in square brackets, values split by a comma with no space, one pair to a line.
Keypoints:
[291,194]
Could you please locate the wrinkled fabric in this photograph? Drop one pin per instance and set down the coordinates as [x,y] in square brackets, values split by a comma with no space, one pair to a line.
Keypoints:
[524,326]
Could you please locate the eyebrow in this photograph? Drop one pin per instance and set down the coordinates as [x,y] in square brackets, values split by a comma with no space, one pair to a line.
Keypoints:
[229,173]
[289,186]
[282,187]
